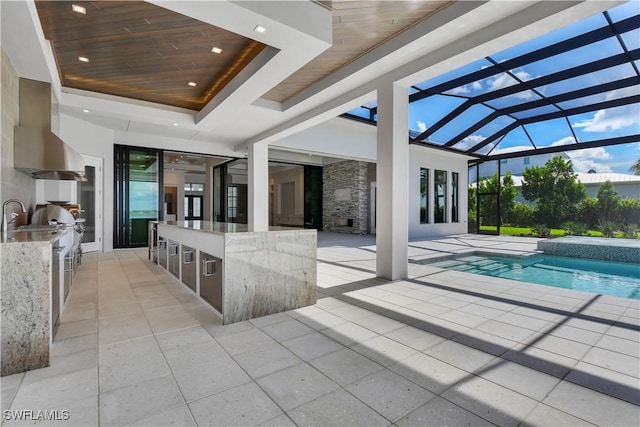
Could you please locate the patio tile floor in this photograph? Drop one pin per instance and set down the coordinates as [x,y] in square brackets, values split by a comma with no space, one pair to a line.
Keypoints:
[136,347]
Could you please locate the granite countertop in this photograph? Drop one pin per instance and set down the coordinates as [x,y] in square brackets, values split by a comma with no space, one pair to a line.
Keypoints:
[41,234]
[223,227]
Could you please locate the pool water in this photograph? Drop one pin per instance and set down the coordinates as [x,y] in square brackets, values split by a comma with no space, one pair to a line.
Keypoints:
[601,277]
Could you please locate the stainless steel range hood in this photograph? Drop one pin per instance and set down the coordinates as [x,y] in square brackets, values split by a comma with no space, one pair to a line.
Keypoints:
[38,151]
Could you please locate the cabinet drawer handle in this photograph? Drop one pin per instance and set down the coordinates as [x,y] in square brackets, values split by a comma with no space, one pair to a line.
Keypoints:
[187,257]
[206,271]
[173,249]
[68,263]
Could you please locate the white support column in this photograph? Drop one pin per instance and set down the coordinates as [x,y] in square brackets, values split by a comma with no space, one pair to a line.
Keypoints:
[258,191]
[392,176]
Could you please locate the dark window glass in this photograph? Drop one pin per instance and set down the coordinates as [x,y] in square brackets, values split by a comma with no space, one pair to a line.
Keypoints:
[454,197]
[424,196]
[440,193]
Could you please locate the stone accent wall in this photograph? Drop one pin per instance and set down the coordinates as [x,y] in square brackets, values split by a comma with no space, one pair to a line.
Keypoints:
[345,197]
[14,184]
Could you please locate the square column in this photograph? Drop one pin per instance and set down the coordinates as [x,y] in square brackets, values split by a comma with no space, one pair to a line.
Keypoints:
[392,224]
[258,188]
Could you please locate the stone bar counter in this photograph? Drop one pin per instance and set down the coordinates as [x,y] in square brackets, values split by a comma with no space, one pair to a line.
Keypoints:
[260,271]
[26,328]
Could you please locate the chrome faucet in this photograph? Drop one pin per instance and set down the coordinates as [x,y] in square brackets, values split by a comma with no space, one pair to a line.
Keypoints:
[5,223]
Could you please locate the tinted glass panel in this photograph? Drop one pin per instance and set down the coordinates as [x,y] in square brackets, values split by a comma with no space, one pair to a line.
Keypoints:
[424,196]
[440,196]
[454,197]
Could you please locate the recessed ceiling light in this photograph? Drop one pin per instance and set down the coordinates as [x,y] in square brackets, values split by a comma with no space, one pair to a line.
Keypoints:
[83,59]
[78,9]
[216,50]
[192,84]
[260,29]
[84,110]
[175,124]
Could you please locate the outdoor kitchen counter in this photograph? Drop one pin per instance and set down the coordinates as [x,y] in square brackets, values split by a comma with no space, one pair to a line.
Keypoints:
[26,297]
[264,270]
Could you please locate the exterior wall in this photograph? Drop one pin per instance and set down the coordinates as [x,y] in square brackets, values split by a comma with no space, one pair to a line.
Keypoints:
[95,141]
[345,197]
[421,157]
[14,184]
[294,175]
[337,137]
[627,190]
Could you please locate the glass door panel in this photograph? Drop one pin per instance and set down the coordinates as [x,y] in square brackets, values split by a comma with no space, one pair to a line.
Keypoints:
[138,201]
[90,201]
[193,207]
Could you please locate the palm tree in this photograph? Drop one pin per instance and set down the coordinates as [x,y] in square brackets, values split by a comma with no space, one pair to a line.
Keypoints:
[635,168]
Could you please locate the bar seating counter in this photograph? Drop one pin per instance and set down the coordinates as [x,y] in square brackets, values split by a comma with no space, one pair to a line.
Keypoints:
[242,271]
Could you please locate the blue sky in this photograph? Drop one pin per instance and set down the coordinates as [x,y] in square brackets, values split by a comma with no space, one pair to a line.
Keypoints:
[592,126]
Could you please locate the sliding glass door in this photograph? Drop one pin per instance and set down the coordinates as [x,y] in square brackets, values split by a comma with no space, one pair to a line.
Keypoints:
[138,184]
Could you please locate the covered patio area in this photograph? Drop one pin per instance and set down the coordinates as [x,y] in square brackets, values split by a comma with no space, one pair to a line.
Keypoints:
[440,347]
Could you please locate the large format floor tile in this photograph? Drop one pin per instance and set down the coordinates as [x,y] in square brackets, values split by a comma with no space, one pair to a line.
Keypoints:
[136,347]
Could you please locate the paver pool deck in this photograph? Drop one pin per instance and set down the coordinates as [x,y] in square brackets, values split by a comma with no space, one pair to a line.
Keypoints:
[135,347]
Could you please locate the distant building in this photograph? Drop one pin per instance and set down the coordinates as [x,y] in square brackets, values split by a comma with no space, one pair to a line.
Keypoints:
[515,165]
[628,186]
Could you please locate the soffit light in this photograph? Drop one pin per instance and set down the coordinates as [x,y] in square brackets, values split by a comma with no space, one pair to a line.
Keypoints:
[84,110]
[78,9]
[216,50]
[260,29]
[83,59]
[175,124]
[192,84]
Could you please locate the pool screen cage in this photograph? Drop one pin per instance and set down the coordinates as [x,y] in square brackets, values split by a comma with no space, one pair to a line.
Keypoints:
[535,98]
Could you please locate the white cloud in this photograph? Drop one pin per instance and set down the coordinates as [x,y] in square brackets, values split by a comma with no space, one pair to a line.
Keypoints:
[590,159]
[611,119]
[470,141]
[460,90]
[587,165]
[597,153]
[564,141]
[505,80]
[422,126]
[476,85]
[501,81]
[513,149]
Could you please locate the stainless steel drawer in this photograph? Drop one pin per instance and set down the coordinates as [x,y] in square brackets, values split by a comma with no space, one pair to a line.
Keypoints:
[211,280]
[174,258]
[162,251]
[189,267]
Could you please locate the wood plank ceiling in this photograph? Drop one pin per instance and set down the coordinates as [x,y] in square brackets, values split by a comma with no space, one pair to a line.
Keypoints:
[139,50]
[358,27]
[142,51]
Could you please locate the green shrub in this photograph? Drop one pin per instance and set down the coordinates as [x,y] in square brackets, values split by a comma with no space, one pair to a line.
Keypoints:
[472,223]
[608,228]
[521,215]
[630,231]
[572,228]
[629,211]
[541,230]
[608,201]
[588,212]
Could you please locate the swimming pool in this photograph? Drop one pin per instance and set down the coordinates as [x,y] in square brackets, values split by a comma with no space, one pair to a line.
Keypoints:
[602,277]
